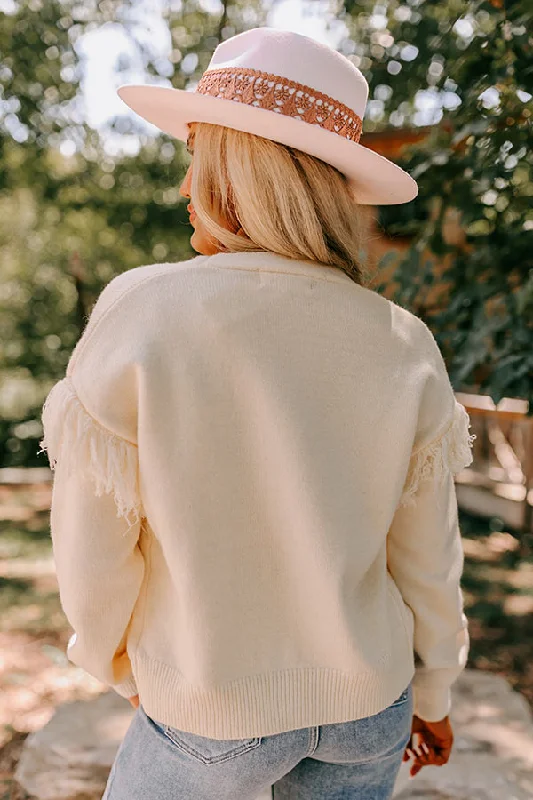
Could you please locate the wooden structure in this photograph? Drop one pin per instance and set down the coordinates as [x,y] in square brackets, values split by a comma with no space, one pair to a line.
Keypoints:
[499,483]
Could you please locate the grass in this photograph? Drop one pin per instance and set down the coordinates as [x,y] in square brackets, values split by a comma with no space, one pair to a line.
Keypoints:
[29,599]
[498,590]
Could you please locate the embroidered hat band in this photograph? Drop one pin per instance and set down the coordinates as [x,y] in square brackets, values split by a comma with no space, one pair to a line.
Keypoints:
[276,93]
[298,80]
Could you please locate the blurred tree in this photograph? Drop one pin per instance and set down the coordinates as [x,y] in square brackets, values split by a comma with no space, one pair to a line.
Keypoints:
[463,66]
[75,208]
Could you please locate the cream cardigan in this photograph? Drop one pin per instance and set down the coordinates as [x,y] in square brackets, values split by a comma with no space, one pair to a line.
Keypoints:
[254,519]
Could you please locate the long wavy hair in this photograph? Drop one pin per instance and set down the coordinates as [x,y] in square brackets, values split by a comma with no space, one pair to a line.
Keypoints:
[251,193]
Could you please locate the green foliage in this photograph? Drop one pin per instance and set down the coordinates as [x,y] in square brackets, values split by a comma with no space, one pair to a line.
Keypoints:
[73,217]
[472,60]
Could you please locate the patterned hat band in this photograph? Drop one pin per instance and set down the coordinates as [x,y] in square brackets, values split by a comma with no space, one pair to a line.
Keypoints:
[278,94]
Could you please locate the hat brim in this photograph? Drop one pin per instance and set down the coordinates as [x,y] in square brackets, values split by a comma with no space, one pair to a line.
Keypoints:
[374,179]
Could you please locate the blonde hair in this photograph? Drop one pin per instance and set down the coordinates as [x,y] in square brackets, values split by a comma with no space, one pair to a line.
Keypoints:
[276,197]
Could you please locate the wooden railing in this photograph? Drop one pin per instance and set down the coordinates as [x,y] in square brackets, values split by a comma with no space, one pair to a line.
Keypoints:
[499,482]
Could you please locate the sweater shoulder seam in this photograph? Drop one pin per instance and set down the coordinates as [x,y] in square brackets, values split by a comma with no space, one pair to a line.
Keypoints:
[127,290]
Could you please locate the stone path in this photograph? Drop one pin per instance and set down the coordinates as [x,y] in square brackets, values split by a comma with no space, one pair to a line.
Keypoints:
[492,758]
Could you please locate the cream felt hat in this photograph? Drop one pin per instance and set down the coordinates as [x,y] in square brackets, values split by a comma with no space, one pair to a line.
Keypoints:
[288,88]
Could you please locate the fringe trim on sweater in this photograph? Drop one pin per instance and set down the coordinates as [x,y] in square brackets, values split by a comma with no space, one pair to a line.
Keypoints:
[451,451]
[74,439]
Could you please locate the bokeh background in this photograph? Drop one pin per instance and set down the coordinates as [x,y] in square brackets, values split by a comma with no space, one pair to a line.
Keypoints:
[87,191]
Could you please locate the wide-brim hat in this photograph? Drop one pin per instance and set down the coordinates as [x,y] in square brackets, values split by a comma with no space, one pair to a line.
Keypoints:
[288,88]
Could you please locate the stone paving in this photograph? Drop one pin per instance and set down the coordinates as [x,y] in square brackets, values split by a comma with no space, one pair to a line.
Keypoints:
[492,757]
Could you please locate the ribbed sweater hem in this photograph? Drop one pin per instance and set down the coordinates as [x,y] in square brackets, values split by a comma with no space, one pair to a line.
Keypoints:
[268,703]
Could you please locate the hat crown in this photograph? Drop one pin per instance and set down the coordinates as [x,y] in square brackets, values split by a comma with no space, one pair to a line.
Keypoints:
[295,57]
[288,88]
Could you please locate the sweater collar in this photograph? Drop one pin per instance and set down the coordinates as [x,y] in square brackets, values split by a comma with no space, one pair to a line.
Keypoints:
[261,261]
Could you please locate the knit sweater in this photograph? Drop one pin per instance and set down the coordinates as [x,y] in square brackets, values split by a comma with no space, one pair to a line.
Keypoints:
[254,519]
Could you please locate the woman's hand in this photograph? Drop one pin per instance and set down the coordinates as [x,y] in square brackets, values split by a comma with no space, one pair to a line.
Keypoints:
[435,743]
[134,701]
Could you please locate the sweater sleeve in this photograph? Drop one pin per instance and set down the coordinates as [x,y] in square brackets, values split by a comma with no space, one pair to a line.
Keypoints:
[424,548]
[89,422]
[100,569]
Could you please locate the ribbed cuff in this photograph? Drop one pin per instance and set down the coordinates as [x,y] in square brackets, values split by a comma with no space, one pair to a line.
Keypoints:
[431,704]
[126,688]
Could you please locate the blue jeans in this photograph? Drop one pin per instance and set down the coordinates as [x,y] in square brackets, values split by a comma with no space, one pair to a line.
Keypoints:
[357,760]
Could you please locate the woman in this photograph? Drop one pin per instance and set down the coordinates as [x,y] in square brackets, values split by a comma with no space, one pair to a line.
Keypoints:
[254,516]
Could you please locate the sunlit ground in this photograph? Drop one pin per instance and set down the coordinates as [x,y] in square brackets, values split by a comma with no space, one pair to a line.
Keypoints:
[35,675]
